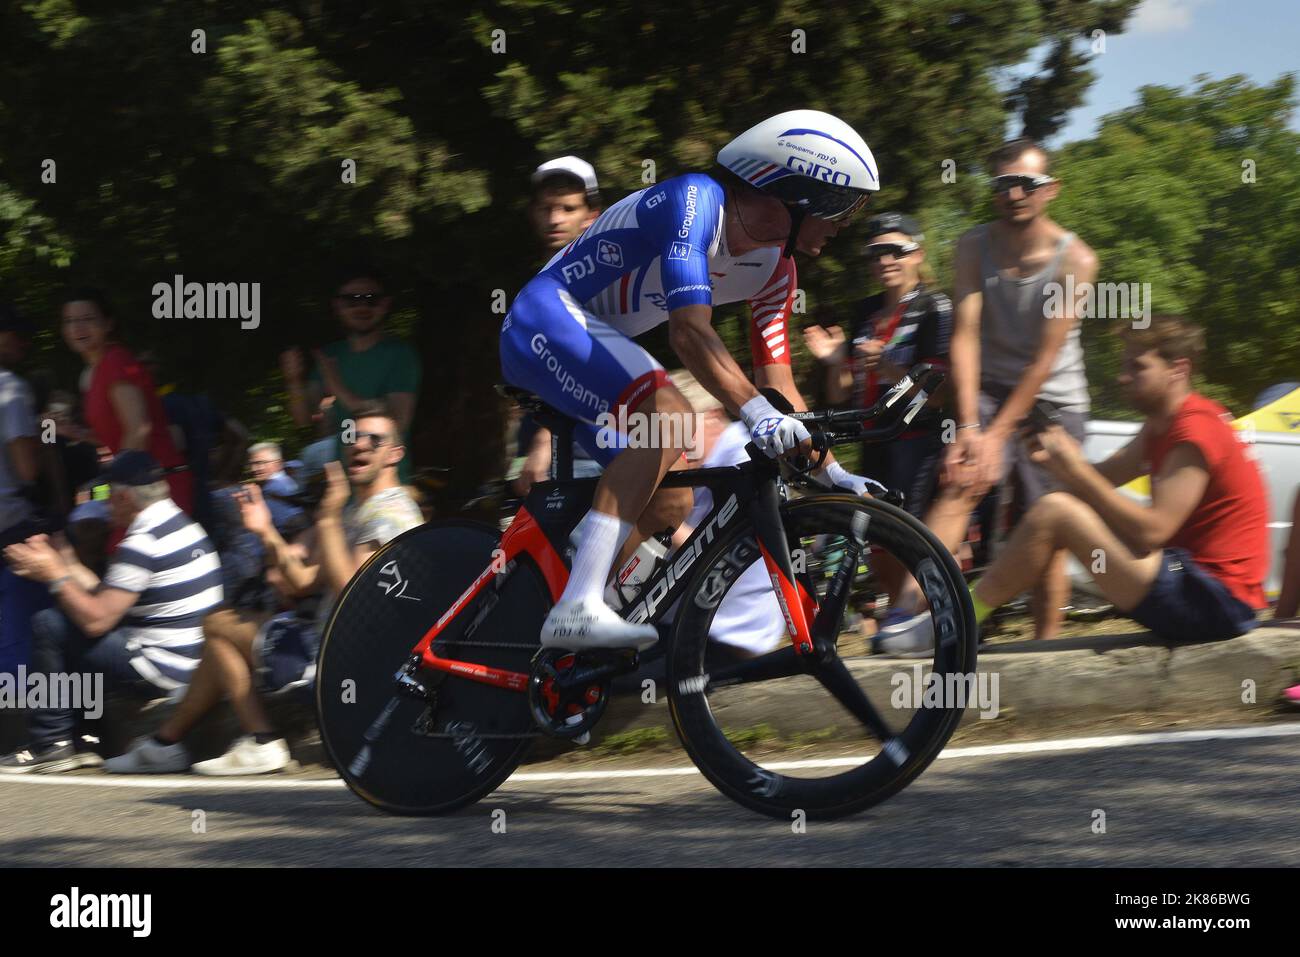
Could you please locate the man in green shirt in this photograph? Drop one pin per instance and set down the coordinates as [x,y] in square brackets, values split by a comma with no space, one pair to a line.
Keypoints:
[365,366]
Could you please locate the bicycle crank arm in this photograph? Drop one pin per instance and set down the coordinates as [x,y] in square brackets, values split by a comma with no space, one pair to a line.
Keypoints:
[580,677]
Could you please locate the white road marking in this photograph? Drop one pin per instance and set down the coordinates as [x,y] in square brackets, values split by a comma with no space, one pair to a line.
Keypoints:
[180,783]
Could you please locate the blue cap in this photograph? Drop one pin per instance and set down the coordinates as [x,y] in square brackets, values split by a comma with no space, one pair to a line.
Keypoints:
[133,467]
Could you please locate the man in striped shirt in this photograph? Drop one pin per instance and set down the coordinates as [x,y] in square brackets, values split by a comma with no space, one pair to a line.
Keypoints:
[140,627]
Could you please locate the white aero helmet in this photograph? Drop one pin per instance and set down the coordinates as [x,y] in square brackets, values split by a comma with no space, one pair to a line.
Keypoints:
[810,160]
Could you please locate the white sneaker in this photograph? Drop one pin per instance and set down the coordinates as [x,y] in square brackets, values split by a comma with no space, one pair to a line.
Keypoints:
[578,625]
[147,756]
[912,636]
[246,756]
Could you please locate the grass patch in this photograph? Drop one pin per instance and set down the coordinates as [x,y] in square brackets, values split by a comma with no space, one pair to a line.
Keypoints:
[627,742]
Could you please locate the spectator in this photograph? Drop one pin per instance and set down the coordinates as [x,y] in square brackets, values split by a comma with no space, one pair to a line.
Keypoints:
[242,557]
[19,468]
[247,652]
[368,365]
[278,489]
[72,459]
[122,406]
[1191,566]
[199,429]
[904,324]
[140,627]
[1011,347]
[565,201]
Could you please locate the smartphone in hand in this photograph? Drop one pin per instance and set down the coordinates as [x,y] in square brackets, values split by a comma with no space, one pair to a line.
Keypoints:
[1042,416]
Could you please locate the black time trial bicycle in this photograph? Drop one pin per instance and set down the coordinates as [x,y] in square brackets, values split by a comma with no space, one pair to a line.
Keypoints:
[431,684]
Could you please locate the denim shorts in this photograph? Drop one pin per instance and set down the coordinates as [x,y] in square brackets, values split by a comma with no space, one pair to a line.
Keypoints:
[1187,603]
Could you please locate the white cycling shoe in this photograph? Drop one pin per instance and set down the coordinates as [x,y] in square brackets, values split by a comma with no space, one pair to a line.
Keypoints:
[590,623]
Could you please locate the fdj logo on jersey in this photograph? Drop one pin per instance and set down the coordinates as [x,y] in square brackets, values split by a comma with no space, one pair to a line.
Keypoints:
[817,171]
[609,254]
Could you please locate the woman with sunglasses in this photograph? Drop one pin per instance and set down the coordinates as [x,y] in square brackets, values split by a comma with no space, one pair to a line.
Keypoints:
[905,323]
[120,402]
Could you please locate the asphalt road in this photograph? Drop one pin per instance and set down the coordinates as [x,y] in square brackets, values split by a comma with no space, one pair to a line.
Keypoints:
[1228,802]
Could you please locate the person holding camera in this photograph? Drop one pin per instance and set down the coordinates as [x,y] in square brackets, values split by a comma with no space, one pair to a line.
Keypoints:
[250,652]
[1191,566]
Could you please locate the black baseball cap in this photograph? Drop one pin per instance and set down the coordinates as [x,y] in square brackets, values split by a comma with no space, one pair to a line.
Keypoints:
[133,467]
[883,223]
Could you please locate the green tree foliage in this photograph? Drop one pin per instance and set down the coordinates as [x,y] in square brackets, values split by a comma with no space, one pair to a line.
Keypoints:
[1197,193]
[228,164]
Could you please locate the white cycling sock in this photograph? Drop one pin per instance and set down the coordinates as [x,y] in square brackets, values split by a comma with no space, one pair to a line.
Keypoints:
[601,537]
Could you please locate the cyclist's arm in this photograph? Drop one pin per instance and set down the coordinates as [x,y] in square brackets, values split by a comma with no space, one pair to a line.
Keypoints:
[693,338]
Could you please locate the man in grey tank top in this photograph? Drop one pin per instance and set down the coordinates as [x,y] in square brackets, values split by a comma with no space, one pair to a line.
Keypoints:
[1015,342]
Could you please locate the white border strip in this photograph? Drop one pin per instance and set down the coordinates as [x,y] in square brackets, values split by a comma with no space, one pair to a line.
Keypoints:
[192,783]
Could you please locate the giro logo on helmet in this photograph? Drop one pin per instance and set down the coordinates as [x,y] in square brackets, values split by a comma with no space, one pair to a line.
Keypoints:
[817,171]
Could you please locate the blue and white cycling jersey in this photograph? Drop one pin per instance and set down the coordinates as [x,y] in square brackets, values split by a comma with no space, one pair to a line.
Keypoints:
[665,247]
[567,336]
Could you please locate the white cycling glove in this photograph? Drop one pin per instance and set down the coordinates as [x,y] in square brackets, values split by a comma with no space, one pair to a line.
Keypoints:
[772,432]
[839,477]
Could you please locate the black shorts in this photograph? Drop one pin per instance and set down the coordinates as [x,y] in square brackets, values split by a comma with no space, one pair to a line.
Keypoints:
[1187,603]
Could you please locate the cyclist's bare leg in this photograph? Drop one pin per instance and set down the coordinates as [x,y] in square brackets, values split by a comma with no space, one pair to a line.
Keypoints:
[581,619]
[1057,521]
[630,480]
[668,508]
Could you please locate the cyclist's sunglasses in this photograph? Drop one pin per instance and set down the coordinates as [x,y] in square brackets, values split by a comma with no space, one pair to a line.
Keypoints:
[355,298]
[1029,182]
[876,251]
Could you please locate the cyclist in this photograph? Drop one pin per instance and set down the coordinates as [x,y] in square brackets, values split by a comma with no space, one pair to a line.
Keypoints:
[669,253]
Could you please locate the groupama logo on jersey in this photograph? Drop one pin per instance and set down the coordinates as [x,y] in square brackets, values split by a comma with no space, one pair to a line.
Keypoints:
[821,165]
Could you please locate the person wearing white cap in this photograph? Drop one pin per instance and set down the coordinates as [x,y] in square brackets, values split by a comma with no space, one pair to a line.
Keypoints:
[566,200]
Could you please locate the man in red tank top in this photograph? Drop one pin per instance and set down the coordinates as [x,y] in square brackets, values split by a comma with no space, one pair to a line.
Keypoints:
[1190,566]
